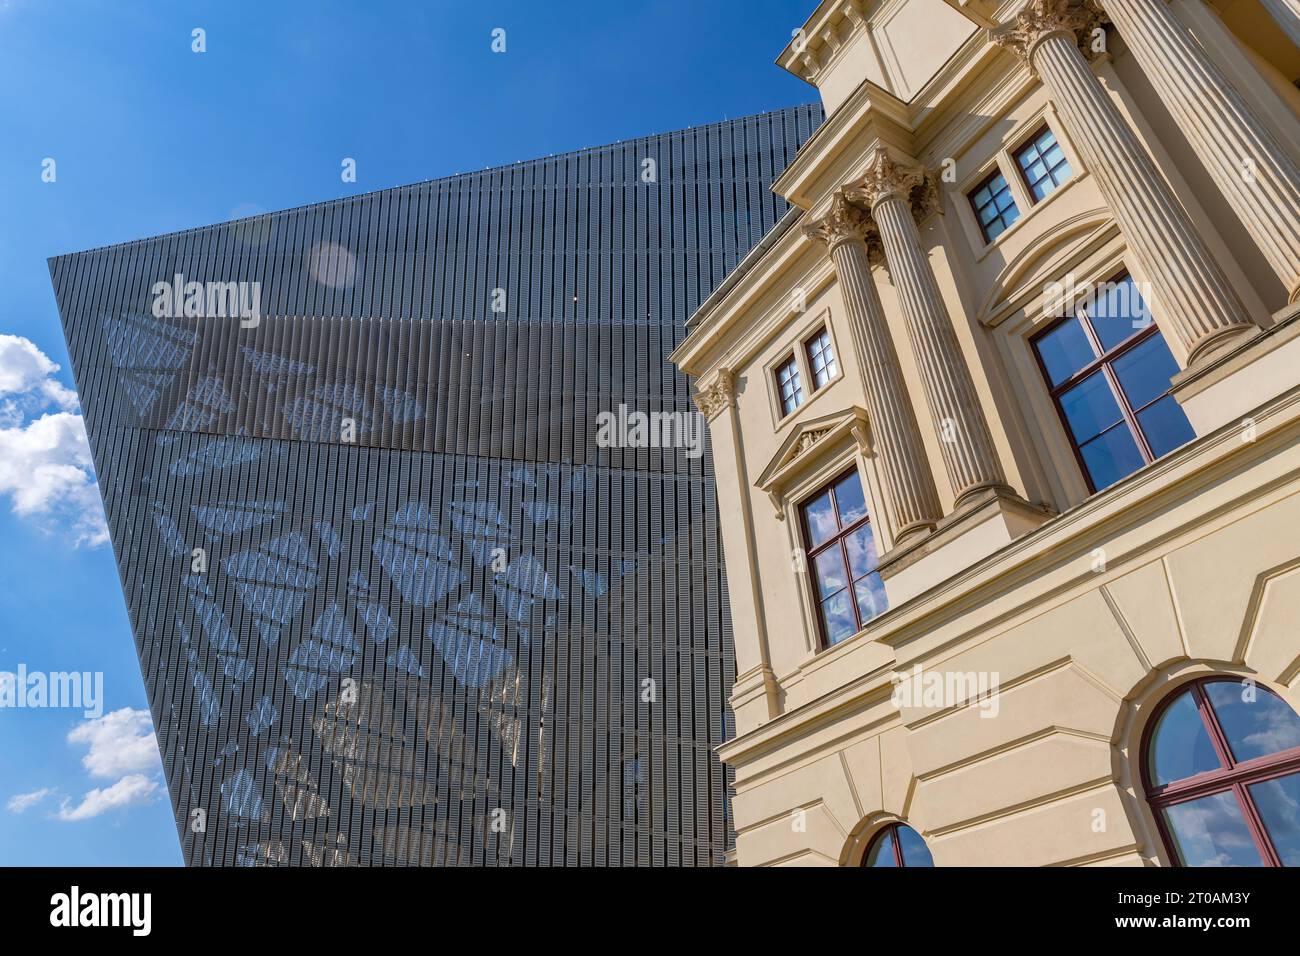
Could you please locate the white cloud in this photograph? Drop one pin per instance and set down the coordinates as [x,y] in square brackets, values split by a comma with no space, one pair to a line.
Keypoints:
[120,745]
[121,742]
[129,791]
[45,464]
[22,801]
[25,369]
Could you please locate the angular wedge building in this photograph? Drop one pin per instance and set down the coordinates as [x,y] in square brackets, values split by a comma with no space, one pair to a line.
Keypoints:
[396,599]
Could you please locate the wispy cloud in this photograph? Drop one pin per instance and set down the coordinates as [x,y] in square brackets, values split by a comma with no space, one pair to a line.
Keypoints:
[45,464]
[121,745]
[129,791]
[121,742]
[23,801]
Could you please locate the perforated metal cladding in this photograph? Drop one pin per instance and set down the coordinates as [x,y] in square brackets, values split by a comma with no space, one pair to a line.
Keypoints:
[438,623]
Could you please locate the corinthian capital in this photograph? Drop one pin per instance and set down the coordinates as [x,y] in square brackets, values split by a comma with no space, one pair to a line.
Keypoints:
[885,178]
[1040,19]
[844,221]
[717,396]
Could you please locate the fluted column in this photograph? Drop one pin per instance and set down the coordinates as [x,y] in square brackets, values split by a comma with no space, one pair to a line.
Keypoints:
[1286,13]
[1193,296]
[909,487]
[964,439]
[1259,180]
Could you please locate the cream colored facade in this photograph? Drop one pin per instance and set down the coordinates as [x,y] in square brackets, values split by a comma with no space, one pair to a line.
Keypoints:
[1179,121]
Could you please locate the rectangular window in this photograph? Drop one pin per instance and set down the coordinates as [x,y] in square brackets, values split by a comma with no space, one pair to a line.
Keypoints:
[821,358]
[788,385]
[995,207]
[842,558]
[1108,370]
[1042,164]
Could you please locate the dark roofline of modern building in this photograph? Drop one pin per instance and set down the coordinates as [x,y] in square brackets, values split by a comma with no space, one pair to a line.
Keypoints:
[423,182]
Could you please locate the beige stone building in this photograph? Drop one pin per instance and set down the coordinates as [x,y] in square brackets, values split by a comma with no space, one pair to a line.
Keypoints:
[1004,416]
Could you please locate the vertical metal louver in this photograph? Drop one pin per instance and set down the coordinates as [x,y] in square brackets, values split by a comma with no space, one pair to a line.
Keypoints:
[431,600]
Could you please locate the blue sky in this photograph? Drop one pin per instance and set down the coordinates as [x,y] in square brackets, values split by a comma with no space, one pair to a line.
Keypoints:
[148,136]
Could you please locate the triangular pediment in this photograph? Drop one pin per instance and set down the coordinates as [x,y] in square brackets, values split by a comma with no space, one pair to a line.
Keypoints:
[804,444]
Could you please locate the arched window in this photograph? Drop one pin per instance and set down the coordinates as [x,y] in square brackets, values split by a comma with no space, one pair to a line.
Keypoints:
[898,845]
[1222,774]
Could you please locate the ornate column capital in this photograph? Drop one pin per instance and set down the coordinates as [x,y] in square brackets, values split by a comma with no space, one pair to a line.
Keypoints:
[844,221]
[717,396]
[1040,19]
[887,178]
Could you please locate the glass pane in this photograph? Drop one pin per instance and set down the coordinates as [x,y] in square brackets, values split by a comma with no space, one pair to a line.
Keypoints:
[820,514]
[1117,312]
[1112,456]
[1144,371]
[1255,721]
[1064,351]
[861,545]
[838,615]
[870,595]
[1278,802]
[915,852]
[882,851]
[848,494]
[828,568]
[1165,426]
[1090,407]
[1180,744]
[1211,832]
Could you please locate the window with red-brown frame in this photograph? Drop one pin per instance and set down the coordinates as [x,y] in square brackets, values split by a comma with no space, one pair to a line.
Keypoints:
[841,549]
[1221,768]
[1107,368]
[897,845]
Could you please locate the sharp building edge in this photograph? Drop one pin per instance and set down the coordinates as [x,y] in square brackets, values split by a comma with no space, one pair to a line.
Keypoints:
[394,602]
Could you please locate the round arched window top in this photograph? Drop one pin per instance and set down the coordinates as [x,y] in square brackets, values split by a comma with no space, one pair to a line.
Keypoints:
[898,845]
[1221,764]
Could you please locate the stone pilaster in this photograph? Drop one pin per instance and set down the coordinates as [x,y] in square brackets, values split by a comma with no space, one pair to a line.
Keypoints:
[964,438]
[909,487]
[754,696]
[1259,180]
[1193,296]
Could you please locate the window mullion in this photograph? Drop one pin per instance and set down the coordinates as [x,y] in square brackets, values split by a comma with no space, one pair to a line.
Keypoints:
[1255,823]
[1211,721]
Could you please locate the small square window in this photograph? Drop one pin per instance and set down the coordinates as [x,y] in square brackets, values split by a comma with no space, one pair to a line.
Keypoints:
[1043,164]
[821,358]
[789,386]
[995,207]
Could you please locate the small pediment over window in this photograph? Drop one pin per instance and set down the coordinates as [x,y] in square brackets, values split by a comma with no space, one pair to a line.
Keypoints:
[808,444]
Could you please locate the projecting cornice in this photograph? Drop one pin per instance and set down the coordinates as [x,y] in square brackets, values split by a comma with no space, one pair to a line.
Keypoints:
[813,46]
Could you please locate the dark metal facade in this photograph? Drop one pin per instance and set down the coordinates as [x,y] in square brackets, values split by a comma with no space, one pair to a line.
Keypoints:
[394,603]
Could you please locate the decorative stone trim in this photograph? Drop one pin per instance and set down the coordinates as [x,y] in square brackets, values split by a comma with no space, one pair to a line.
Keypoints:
[717,396]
